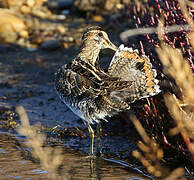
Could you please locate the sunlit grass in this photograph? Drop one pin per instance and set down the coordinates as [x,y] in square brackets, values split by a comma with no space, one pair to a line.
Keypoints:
[181,109]
[50,158]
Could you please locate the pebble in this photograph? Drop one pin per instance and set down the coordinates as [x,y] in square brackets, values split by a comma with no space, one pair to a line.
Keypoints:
[11,26]
[61,29]
[60,4]
[31,49]
[25,9]
[51,44]
[30,3]
[97,18]
[65,12]
[68,39]
[61,17]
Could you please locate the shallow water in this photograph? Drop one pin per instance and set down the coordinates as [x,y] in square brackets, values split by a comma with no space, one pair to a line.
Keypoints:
[24,81]
[14,164]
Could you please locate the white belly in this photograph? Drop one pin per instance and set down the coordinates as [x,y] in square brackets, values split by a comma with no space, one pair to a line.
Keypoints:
[75,110]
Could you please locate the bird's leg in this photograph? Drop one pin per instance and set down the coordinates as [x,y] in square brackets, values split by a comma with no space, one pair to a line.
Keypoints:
[91,131]
[99,130]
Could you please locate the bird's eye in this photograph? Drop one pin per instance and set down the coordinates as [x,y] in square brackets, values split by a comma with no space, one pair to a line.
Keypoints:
[100,34]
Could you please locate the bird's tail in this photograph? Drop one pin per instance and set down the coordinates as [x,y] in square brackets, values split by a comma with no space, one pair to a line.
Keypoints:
[128,65]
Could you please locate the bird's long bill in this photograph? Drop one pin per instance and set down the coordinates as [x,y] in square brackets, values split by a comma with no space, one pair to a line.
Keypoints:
[110,45]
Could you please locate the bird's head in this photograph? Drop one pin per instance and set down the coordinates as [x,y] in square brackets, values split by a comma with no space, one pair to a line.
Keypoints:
[100,37]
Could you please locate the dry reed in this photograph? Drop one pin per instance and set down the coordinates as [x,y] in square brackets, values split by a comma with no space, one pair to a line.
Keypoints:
[181,110]
[50,158]
[152,158]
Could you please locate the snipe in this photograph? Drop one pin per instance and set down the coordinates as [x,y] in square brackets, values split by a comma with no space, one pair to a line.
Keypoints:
[93,94]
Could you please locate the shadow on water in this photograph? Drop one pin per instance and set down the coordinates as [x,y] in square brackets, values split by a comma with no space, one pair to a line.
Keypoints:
[16,163]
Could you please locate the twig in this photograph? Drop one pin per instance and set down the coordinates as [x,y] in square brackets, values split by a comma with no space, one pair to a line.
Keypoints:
[134,32]
[189,3]
[185,12]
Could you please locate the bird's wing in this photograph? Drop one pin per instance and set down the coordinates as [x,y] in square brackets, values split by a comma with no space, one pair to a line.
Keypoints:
[130,67]
[69,82]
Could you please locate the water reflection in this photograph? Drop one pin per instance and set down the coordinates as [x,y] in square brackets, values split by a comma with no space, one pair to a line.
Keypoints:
[38,171]
[14,164]
[2,151]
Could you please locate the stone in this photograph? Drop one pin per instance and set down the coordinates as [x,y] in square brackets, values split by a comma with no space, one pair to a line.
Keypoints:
[51,44]
[60,4]
[11,27]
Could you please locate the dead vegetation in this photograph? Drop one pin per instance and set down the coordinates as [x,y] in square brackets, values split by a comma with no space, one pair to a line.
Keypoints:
[50,158]
[152,158]
[181,109]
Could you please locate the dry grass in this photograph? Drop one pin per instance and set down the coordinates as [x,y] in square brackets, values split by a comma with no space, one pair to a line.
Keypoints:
[150,30]
[181,110]
[153,154]
[50,158]
[152,158]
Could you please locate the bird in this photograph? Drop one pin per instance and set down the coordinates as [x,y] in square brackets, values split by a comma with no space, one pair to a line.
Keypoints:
[94,94]
[78,84]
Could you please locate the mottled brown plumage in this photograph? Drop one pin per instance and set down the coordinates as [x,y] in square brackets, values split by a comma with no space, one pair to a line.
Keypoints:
[93,94]
[129,66]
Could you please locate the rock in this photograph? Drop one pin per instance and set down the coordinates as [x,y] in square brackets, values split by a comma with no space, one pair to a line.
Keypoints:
[60,4]
[25,9]
[51,44]
[111,4]
[4,4]
[15,3]
[89,5]
[65,45]
[97,18]
[30,3]
[40,13]
[98,5]
[126,1]
[31,49]
[61,29]
[11,27]
[65,12]
[68,39]
[61,17]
